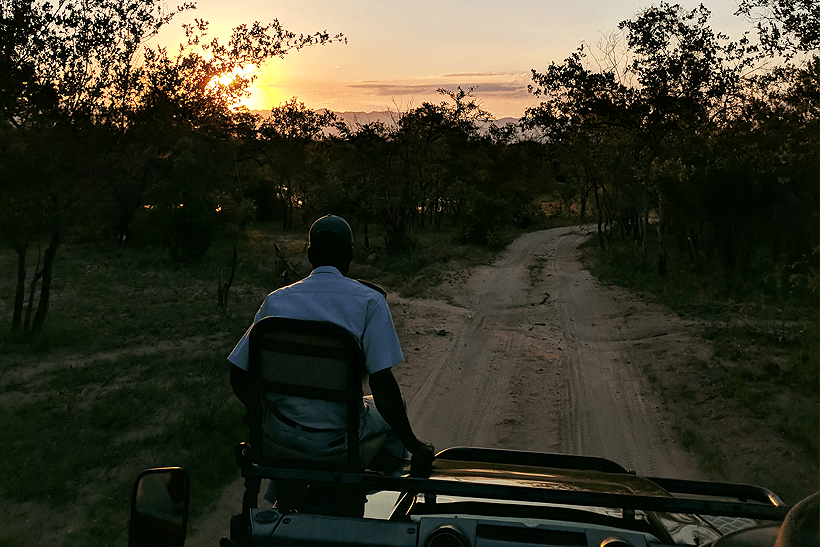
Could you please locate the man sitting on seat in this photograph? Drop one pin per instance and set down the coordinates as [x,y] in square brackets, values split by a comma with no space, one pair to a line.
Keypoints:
[314,428]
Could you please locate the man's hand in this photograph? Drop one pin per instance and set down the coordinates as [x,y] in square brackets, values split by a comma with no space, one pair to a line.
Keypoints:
[387,396]
[421,461]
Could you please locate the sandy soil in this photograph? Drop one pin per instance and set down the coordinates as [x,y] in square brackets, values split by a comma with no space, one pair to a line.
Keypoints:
[533,353]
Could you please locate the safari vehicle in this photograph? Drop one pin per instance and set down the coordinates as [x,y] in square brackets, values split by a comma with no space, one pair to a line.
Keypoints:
[480,497]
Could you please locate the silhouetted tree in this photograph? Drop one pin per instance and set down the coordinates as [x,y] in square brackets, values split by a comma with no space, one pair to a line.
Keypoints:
[586,116]
[74,70]
[290,155]
[64,69]
[785,27]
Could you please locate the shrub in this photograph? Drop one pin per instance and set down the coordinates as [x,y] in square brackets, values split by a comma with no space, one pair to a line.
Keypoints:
[481,222]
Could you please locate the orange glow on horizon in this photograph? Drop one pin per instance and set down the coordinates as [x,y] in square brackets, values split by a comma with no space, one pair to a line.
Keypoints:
[266,91]
[264,96]
[262,93]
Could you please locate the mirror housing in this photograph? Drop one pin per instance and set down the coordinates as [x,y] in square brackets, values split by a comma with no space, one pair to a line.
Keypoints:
[159,508]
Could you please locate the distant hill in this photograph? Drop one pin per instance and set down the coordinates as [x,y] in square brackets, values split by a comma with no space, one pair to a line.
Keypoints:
[352,119]
[360,118]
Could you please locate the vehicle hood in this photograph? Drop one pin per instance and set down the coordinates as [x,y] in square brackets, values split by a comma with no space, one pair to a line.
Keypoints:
[545,477]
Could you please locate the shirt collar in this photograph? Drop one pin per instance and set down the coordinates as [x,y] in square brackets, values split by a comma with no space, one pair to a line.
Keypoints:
[326,269]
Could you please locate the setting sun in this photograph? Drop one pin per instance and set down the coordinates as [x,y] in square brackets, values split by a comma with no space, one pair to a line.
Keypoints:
[266,91]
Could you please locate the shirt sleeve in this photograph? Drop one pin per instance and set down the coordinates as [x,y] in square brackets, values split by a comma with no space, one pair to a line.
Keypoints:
[380,342]
[239,355]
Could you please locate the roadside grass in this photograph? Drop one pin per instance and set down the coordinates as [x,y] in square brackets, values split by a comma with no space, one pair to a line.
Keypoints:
[766,354]
[689,427]
[535,268]
[130,372]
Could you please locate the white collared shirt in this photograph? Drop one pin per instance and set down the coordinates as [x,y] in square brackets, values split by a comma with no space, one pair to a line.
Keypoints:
[327,295]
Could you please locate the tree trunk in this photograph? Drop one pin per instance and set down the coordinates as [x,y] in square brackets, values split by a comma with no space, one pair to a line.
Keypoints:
[45,287]
[583,205]
[600,218]
[223,288]
[636,227]
[38,273]
[20,293]
[644,222]
[284,213]
[661,237]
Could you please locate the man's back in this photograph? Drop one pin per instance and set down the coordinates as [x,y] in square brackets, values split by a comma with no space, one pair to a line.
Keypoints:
[326,295]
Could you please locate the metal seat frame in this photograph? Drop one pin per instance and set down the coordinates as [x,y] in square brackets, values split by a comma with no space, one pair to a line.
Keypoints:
[311,359]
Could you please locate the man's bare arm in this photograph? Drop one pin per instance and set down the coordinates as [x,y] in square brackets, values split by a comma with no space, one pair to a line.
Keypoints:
[239,383]
[387,396]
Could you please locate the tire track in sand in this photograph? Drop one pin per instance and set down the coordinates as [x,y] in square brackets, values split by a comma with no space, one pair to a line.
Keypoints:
[548,362]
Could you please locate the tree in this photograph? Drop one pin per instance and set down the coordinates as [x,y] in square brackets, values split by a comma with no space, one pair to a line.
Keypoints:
[365,158]
[451,138]
[78,59]
[291,156]
[785,27]
[433,143]
[22,220]
[766,163]
[200,85]
[292,120]
[688,74]
[72,72]
[403,171]
[690,80]
[584,119]
[688,85]
[64,69]
[197,90]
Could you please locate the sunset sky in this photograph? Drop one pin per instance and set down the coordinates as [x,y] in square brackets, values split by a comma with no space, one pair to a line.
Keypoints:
[399,53]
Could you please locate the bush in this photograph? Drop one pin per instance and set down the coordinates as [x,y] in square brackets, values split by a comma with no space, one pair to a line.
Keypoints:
[483,220]
[531,214]
[187,231]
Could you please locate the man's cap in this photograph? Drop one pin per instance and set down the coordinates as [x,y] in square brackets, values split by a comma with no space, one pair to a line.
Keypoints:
[335,225]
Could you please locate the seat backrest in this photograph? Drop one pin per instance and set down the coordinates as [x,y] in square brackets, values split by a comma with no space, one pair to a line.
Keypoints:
[311,359]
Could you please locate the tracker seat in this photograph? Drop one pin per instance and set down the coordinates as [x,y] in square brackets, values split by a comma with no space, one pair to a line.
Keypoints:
[315,360]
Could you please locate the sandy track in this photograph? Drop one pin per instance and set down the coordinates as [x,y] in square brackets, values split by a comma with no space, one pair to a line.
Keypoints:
[532,353]
[540,356]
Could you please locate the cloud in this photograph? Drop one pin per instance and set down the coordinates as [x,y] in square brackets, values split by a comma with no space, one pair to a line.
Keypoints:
[472,75]
[384,88]
[485,85]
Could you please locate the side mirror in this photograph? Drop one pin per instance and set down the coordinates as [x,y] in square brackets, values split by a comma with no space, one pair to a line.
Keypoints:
[159,508]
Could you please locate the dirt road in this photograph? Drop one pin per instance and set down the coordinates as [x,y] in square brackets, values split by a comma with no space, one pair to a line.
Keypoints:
[531,352]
